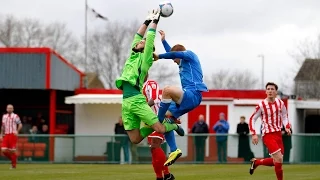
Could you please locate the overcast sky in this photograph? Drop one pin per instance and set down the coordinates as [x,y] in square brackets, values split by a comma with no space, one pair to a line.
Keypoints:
[225,34]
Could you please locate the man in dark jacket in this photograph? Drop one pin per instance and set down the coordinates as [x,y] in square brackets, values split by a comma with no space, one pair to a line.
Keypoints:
[244,150]
[123,140]
[200,127]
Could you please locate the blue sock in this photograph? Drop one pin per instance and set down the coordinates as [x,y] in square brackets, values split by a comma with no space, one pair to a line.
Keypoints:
[171,140]
[164,106]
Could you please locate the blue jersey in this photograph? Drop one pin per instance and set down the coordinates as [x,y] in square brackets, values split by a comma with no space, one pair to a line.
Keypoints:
[190,70]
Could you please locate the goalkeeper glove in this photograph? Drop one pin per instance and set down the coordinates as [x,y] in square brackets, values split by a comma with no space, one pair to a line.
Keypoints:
[153,15]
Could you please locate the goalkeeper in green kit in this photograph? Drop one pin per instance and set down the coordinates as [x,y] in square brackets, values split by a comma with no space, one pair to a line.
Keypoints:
[134,105]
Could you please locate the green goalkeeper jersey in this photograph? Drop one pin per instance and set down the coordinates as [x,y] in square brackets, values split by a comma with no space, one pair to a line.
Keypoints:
[139,63]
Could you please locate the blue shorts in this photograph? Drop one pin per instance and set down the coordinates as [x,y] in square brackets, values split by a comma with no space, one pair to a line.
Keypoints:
[190,100]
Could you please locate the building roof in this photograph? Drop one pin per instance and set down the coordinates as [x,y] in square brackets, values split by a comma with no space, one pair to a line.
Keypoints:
[310,70]
[38,68]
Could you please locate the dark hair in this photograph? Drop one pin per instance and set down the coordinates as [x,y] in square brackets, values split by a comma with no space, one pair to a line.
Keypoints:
[242,117]
[272,84]
[178,47]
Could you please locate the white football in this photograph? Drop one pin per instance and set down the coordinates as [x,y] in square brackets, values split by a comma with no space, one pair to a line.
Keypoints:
[166,9]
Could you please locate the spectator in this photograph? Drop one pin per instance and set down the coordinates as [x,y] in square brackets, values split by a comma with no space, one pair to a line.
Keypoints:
[33,134]
[222,127]
[123,140]
[44,129]
[244,150]
[200,127]
[26,126]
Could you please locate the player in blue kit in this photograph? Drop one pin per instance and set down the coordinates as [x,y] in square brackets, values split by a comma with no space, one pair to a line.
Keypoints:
[176,101]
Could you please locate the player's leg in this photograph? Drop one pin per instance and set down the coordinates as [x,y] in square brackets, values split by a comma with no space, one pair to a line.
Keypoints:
[4,147]
[175,153]
[131,122]
[190,99]
[278,157]
[169,94]
[13,148]
[157,155]
[273,148]
[134,110]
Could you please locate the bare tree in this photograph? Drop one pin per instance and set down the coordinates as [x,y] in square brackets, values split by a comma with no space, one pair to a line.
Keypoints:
[226,79]
[28,32]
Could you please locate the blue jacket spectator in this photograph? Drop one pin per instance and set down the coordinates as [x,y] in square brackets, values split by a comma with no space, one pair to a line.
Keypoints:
[221,127]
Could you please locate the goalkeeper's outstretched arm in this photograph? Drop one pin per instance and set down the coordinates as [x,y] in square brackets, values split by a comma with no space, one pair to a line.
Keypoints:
[142,30]
[148,49]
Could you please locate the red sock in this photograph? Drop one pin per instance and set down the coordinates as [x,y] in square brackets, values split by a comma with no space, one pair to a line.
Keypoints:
[264,162]
[166,170]
[278,170]
[14,159]
[158,159]
[7,154]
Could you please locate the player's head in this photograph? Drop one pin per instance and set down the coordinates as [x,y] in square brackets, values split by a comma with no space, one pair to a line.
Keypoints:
[120,120]
[178,47]
[140,46]
[271,90]
[9,108]
[221,116]
[242,119]
[201,118]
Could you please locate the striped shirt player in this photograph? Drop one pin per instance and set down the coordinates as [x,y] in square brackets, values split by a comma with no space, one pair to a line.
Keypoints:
[274,116]
[11,125]
[10,122]
[152,93]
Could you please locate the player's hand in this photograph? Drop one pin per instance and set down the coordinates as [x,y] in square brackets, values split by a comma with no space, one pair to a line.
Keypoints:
[154,14]
[157,14]
[255,139]
[288,131]
[1,137]
[155,57]
[163,35]
[150,16]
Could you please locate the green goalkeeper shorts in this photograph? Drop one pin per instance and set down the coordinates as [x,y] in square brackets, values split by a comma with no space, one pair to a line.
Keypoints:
[136,109]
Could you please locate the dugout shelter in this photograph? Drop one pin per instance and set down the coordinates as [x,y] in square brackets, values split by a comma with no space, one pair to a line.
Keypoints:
[36,80]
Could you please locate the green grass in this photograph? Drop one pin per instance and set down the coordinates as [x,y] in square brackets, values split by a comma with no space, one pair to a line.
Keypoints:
[145,172]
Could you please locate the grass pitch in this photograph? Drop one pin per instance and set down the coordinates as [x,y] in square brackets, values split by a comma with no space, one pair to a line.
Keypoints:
[145,172]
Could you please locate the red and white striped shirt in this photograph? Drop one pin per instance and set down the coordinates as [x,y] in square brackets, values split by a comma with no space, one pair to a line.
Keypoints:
[10,122]
[273,116]
[151,91]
